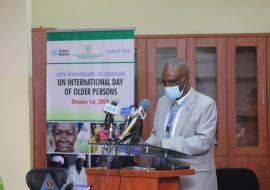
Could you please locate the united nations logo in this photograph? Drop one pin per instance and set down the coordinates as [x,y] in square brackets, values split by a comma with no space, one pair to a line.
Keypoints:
[87,48]
[54,52]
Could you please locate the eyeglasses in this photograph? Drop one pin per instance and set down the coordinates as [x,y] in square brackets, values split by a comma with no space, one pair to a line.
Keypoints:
[173,82]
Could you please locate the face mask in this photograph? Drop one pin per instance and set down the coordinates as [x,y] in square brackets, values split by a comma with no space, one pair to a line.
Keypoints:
[173,92]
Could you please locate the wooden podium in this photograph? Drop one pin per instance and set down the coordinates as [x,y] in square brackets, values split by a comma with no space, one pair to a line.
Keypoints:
[109,179]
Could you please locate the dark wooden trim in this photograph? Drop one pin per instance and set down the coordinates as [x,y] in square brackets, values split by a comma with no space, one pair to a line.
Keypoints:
[151,83]
[267,91]
[42,29]
[206,42]
[181,45]
[191,60]
[39,96]
[245,42]
[221,149]
[140,45]
[231,93]
[168,36]
[261,86]
[140,173]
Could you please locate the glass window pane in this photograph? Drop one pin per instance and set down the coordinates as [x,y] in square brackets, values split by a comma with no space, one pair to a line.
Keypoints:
[246,94]
[163,55]
[206,71]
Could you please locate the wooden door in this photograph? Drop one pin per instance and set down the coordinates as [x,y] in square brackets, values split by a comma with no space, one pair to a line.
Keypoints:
[206,57]
[159,51]
[246,85]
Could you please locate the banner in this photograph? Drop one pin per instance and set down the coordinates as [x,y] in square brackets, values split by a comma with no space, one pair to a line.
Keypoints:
[86,70]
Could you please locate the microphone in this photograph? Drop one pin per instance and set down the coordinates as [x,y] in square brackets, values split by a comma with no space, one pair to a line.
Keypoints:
[139,113]
[110,110]
[127,113]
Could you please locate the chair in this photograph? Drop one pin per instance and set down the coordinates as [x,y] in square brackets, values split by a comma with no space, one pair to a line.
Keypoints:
[35,177]
[236,179]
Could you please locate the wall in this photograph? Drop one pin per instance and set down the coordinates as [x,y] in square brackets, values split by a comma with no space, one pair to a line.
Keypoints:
[15,93]
[155,16]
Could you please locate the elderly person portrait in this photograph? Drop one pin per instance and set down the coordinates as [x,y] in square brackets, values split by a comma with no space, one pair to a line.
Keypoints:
[64,136]
[77,173]
[185,121]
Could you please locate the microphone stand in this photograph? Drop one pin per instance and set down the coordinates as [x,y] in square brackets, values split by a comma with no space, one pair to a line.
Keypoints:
[111,135]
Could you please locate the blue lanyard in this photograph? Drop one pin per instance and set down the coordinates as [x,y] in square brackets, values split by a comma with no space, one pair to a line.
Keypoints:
[173,111]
